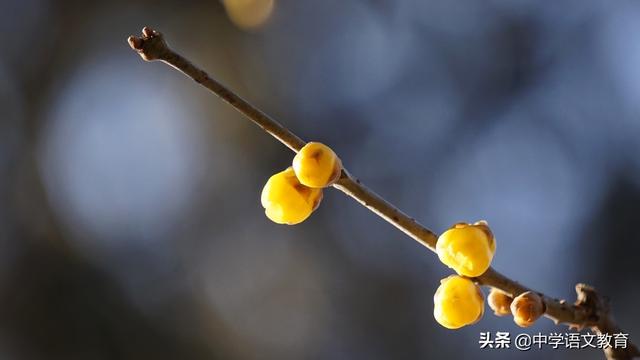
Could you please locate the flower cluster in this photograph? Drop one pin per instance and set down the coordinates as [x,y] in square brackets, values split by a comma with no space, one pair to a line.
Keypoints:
[290,196]
[468,249]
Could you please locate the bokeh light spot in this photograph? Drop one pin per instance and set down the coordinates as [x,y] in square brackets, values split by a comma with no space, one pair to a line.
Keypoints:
[119,159]
[249,14]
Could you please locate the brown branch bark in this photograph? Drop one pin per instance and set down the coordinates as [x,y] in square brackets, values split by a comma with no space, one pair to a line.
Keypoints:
[590,309]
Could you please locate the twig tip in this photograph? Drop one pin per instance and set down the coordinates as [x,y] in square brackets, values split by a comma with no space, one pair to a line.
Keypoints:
[151,46]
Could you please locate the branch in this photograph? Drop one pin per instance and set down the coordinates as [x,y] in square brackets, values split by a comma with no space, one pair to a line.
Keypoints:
[590,309]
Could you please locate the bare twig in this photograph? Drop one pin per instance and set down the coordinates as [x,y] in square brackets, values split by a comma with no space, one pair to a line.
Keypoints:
[590,309]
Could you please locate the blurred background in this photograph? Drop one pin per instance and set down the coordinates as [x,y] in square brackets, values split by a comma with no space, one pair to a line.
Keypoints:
[130,221]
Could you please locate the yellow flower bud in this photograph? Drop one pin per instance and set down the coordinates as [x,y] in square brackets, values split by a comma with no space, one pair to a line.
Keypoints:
[468,249]
[458,302]
[499,302]
[316,165]
[527,308]
[286,201]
